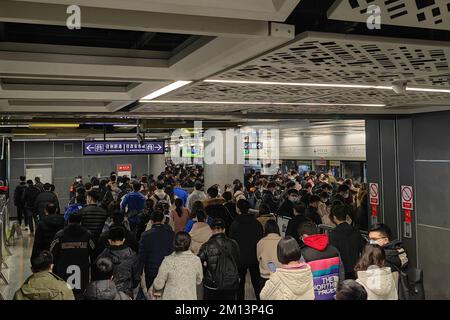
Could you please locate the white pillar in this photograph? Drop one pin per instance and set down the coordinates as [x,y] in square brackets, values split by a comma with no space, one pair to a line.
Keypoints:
[157,164]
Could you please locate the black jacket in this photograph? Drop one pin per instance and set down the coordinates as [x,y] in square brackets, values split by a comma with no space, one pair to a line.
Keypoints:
[396,256]
[130,240]
[126,274]
[154,246]
[269,200]
[93,219]
[29,196]
[312,214]
[293,225]
[231,207]
[73,251]
[286,209]
[350,243]
[18,194]
[247,231]
[209,255]
[219,211]
[43,199]
[46,231]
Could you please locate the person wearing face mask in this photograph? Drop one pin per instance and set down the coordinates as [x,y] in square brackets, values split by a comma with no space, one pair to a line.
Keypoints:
[306,193]
[396,256]
[287,207]
[312,210]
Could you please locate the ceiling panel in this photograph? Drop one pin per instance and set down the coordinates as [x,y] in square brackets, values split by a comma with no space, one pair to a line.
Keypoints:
[430,14]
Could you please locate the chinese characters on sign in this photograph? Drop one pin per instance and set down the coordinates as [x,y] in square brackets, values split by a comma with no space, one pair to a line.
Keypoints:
[122,147]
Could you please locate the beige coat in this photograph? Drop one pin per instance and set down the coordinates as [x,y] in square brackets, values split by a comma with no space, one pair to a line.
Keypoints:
[289,284]
[266,251]
[200,233]
[179,275]
[379,283]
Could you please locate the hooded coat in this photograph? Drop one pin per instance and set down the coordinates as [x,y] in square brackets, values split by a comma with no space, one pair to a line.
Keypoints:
[379,283]
[44,286]
[289,284]
[326,265]
[200,233]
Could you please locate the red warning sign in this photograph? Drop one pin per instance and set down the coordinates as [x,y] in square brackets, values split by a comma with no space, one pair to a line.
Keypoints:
[374,194]
[374,210]
[407,198]
[408,218]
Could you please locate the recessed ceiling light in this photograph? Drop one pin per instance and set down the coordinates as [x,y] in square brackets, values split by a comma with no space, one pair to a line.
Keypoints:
[428,90]
[302,84]
[264,103]
[171,87]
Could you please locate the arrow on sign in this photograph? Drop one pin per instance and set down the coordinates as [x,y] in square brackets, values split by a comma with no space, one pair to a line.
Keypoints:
[158,146]
[90,147]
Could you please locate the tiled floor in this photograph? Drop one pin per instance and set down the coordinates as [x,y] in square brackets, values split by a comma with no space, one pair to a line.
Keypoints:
[18,265]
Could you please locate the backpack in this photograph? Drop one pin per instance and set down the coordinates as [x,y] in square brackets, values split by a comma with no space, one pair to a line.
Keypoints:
[162,202]
[227,274]
[410,284]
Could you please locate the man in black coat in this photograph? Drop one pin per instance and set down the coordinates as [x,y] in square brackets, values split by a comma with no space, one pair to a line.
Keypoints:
[347,240]
[130,239]
[73,250]
[247,231]
[18,200]
[154,246]
[46,229]
[126,274]
[209,255]
[295,223]
[44,198]
[287,207]
[396,256]
[93,216]
[268,197]
[312,210]
[28,199]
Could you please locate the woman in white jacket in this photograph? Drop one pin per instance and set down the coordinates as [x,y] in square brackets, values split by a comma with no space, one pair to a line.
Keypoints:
[293,280]
[180,272]
[377,279]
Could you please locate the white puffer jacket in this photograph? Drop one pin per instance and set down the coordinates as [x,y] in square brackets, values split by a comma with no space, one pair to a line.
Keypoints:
[379,283]
[289,284]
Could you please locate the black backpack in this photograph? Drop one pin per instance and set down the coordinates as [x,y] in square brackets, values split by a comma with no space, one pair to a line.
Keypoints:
[227,274]
[410,284]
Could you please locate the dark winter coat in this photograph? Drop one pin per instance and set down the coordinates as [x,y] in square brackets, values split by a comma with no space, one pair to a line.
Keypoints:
[93,219]
[209,255]
[43,199]
[46,231]
[104,290]
[247,231]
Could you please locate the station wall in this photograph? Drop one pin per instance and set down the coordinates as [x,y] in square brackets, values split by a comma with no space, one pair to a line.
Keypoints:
[67,161]
[332,147]
[414,151]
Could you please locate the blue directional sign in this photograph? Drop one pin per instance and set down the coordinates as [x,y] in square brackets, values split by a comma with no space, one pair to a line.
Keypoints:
[92,148]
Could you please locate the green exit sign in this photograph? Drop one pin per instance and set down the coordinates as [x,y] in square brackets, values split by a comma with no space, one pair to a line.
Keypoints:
[247,151]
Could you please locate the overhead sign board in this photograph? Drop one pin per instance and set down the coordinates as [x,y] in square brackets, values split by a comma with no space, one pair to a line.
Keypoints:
[91,148]
[253,145]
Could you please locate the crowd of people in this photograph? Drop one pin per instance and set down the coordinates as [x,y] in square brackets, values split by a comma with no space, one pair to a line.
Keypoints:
[164,237]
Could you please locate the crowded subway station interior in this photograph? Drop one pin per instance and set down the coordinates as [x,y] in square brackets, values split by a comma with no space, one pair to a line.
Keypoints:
[240,150]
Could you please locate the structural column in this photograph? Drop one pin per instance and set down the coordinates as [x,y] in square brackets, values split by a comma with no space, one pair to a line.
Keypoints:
[222,173]
[157,164]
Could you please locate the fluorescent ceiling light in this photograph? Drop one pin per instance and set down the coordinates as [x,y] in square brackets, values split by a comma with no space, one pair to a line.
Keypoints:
[13,126]
[124,125]
[259,103]
[326,85]
[171,87]
[302,84]
[54,125]
[428,90]
[30,134]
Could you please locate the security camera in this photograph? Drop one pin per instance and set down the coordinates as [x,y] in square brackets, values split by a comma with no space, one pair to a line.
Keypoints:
[399,86]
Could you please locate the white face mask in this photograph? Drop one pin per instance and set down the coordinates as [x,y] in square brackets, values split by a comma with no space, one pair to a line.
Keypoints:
[373,242]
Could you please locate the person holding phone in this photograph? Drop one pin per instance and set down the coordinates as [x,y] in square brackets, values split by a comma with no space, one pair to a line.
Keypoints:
[266,251]
[294,279]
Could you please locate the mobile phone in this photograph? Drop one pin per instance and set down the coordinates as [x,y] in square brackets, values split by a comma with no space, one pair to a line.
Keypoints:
[272,266]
